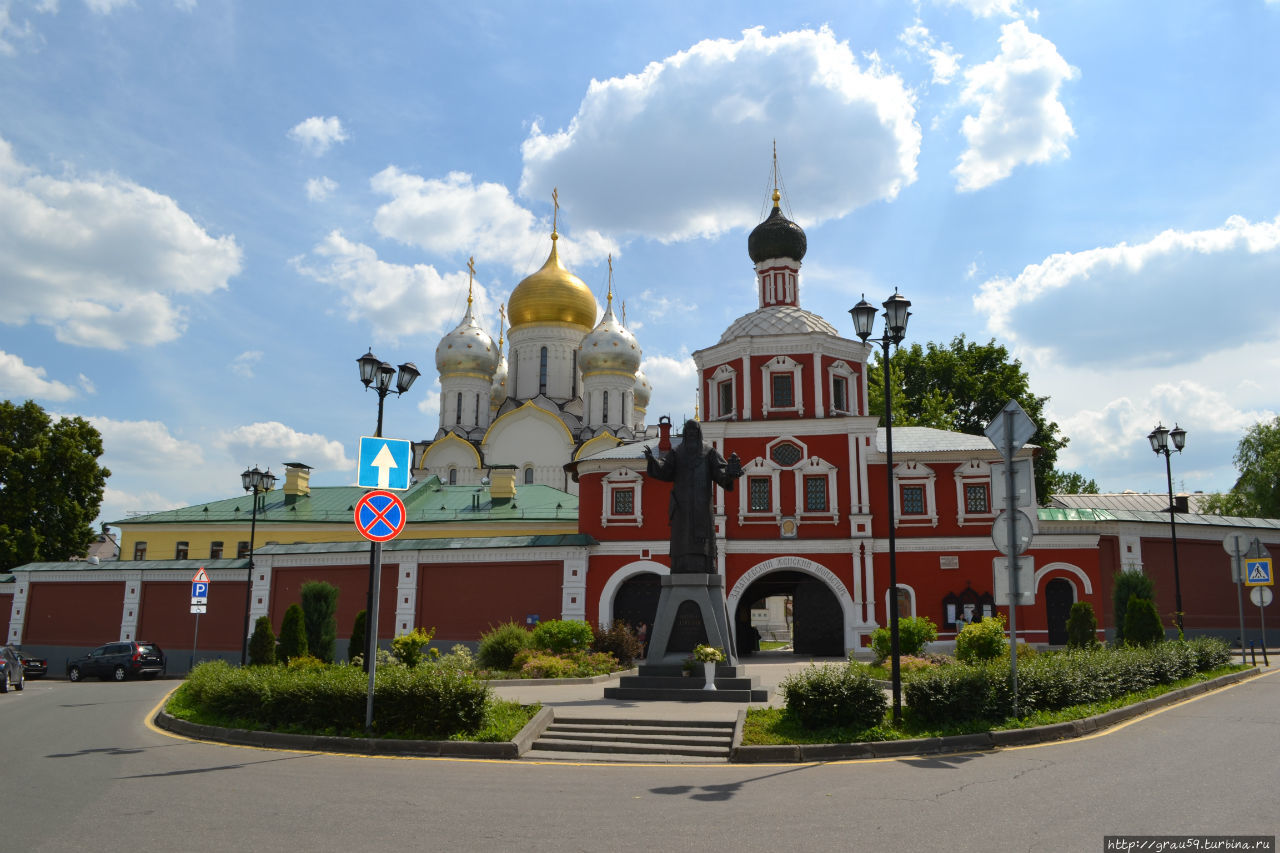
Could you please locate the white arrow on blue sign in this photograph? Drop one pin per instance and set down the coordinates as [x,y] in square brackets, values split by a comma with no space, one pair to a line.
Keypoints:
[385,463]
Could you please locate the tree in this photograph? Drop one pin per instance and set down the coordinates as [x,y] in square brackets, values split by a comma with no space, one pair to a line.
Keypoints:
[963,386]
[1257,491]
[50,485]
[293,635]
[1082,626]
[262,645]
[319,613]
[1142,623]
[1070,483]
[356,645]
[1127,586]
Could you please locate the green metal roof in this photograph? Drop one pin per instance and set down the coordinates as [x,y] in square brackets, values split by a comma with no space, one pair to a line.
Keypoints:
[1073,514]
[461,543]
[426,501]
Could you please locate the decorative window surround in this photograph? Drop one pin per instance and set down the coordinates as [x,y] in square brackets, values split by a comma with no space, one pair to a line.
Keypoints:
[841,370]
[759,467]
[816,466]
[623,479]
[724,374]
[915,474]
[783,364]
[973,473]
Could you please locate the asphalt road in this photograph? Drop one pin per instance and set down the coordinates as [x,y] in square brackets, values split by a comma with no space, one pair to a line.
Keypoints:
[83,772]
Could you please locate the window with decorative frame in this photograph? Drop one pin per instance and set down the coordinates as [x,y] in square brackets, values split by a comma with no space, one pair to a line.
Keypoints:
[915,494]
[784,380]
[841,387]
[622,498]
[973,493]
[760,494]
[815,494]
[816,490]
[723,386]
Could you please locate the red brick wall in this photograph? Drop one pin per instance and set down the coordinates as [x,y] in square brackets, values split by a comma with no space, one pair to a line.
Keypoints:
[73,614]
[166,618]
[462,601]
[6,608]
[353,585]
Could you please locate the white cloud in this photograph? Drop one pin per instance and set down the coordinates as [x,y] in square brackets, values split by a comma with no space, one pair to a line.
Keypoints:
[106,7]
[317,134]
[87,384]
[1020,119]
[1156,303]
[675,387]
[686,141]
[242,365]
[19,380]
[993,8]
[943,58]
[13,30]
[458,217]
[144,445]
[271,443]
[319,189]
[395,299]
[100,259]
[657,305]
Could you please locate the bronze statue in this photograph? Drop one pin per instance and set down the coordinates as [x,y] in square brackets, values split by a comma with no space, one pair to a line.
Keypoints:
[692,468]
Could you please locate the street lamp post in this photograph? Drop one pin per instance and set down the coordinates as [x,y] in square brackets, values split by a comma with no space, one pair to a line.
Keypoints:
[257,482]
[1159,439]
[376,373]
[895,318]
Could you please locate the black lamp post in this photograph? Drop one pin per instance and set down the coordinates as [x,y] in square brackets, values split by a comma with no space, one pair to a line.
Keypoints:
[257,482]
[895,319]
[1159,439]
[376,373]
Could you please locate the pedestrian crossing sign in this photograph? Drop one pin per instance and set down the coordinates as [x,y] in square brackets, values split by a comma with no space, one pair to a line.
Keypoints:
[1258,572]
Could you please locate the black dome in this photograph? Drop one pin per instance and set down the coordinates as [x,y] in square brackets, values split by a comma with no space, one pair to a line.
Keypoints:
[777,237]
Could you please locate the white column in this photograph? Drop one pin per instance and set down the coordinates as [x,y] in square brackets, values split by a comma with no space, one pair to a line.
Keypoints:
[132,598]
[259,590]
[573,601]
[406,597]
[746,388]
[18,609]
[819,404]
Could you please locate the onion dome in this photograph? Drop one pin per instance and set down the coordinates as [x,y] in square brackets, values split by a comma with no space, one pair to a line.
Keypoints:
[643,391]
[610,348]
[467,349]
[777,237]
[552,295]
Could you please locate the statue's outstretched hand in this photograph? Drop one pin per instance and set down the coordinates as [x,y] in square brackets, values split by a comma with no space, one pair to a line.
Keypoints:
[648,451]
[734,466]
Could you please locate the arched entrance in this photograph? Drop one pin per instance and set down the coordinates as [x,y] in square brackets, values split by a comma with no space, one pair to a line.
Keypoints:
[636,601]
[1059,595]
[817,626]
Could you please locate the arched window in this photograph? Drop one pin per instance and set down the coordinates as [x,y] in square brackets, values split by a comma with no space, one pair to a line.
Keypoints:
[453,476]
[542,371]
[457,415]
[528,476]
[604,408]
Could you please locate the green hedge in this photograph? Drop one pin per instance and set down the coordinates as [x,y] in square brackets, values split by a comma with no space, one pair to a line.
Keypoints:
[826,696]
[427,701]
[1050,682]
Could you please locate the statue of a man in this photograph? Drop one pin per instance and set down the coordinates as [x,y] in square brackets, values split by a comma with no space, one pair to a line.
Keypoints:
[692,467]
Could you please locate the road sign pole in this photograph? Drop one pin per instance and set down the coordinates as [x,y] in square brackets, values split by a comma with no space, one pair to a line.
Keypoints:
[194,641]
[1237,562]
[1011,509]
[371,627]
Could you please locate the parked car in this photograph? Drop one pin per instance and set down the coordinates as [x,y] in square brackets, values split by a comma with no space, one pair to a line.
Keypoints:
[10,670]
[118,661]
[33,667]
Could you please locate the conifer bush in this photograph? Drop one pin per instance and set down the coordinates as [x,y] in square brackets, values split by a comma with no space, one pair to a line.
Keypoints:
[319,611]
[359,637]
[1126,585]
[293,635]
[1142,623]
[1082,626]
[262,645]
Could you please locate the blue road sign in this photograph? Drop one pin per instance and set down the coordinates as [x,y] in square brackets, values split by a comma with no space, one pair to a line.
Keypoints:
[384,463]
[1258,572]
[200,591]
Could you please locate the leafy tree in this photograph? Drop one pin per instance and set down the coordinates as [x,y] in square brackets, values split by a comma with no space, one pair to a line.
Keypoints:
[319,613]
[262,645]
[50,485]
[1070,483]
[962,386]
[1257,491]
[1126,586]
[359,636]
[293,635]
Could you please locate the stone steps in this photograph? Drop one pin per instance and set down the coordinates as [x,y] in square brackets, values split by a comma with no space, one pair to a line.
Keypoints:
[616,740]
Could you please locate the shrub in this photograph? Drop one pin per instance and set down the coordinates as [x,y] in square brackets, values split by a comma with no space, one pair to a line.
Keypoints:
[359,637]
[293,635]
[1126,585]
[407,648]
[619,640]
[500,645]
[319,612]
[306,662]
[1082,626]
[262,645]
[1142,623]
[830,696]
[562,635]
[914,633]
[538,663]
[459,657]
[983,640]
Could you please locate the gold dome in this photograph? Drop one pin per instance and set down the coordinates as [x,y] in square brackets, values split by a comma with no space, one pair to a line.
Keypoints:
[552,295]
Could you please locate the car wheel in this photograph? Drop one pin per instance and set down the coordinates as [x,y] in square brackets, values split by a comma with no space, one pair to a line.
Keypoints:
[118,673]
[4,683]
[73,674]
[22,682]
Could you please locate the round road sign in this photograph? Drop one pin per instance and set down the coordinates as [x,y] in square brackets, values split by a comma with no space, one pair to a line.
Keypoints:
[1260,595]
[380,516]
[1000,532]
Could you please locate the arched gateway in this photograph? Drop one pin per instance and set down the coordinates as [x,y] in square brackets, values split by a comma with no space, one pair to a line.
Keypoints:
[824,611]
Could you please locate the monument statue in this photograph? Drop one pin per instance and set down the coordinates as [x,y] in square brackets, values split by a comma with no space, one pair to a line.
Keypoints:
[692,468]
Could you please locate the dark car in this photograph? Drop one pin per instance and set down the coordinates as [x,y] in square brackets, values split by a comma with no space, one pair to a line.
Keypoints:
[10,670]
[118,661]
[33,667]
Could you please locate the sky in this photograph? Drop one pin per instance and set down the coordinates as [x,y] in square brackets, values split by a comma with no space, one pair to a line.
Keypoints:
[210,210]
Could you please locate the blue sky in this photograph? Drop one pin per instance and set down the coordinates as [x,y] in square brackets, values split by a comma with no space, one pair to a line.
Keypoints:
[209,210]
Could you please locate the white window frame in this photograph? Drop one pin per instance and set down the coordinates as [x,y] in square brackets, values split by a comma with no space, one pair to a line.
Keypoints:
[724,373]
[915,474]
[816,466]
[622,478]
[783,364]
[974,472]
[842,370]
[760,467]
